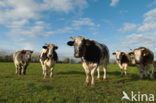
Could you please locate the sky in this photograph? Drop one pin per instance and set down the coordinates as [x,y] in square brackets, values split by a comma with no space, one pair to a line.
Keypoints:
[119,24]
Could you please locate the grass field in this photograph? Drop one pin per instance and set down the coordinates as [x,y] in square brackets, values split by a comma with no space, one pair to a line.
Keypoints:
[67,85]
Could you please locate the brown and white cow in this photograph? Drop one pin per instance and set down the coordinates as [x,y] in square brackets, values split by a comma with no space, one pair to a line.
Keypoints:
[48,58]
[123,59]
[92,54]
[144,60]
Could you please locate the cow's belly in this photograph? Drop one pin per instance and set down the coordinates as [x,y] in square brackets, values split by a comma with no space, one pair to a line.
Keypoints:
[49,63]
[103,61]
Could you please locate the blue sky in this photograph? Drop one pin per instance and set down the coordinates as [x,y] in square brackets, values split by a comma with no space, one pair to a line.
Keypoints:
[120,24]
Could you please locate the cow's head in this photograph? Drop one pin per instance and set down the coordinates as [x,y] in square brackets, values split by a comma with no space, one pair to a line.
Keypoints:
[118,55]
[50,48]
[27,53]
[139,53]
[80,44]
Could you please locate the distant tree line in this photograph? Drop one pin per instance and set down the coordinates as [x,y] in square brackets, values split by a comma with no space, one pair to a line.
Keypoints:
[35,59]
[6,57]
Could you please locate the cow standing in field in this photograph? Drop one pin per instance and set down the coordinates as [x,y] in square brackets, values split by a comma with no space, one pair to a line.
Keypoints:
[21,60]
[123,60]
[144,60]
[92,54]
[48,58]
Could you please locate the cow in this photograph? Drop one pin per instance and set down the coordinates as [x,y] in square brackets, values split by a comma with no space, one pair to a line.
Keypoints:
[21,60]
[48,58]
[144,58]
[123,60]
[92,54]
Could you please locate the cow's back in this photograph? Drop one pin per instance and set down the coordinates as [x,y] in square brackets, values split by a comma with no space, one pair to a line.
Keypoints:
[105,53]
[149,58]
[18,57]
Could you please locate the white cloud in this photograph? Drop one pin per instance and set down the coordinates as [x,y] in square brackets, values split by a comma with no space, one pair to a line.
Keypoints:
[145,33]
[128,27]
[65,5]
[149,23]
[76,25]
[83,22]
[114,2]
[22,18]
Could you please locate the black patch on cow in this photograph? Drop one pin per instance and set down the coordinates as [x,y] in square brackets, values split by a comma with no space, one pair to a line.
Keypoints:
[124,59]
[105,51]
[55,57]
[92,53]
[70,43]
[23,51]
[147,57]
[45,47]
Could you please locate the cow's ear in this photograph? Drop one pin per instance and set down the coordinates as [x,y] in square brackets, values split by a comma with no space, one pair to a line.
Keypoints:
[114,53]
[122,53]
[87,42]
[145,54]
[44,47]
[31,51]
[23,51]
[56,47]
[70,43]
[131,54]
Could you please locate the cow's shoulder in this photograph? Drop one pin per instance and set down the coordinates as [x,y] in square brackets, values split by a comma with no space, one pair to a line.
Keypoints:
[93,52]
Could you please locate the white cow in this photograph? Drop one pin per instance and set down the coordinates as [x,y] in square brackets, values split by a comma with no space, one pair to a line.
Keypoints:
[48,58]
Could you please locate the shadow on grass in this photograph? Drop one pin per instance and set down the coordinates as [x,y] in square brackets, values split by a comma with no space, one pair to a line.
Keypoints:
[72,72]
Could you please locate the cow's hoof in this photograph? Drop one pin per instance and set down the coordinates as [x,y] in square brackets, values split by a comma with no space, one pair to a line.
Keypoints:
[44,77]
[98,78]
[92,84]
[104,78]
[121,75]
[151,77]
[86,84]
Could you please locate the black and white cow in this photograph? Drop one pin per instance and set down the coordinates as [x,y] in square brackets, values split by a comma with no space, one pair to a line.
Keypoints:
[21,60]
[48,58]
[123,60]
[144,60]
[92,54]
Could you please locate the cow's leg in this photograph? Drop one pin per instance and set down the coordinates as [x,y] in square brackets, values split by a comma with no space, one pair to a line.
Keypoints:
[140,71]
[121,68]
[17,67]
[125,69]
[24,69]
[45,71]
[20,69]
[105,71]
[150,71]
[145,71]
[92,74]
[87,73]
[51,72]
[98,73]
[42,64]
